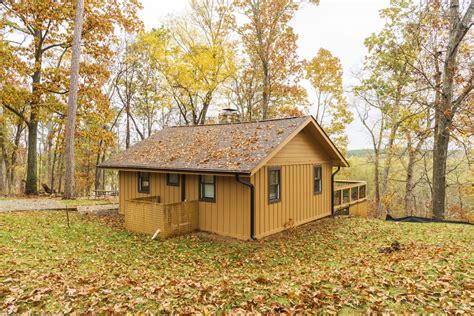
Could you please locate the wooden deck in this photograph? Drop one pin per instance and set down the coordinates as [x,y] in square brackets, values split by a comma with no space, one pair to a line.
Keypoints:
[351,196]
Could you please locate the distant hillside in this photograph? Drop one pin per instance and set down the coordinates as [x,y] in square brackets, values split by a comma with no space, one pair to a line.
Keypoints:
[359,152]
[366,151]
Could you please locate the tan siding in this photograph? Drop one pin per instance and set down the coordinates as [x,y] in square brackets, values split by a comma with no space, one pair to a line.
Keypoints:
[301,149]
[298,204]
[128,181]
[228,216]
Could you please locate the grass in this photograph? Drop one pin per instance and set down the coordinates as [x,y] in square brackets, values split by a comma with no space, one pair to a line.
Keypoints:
[330,265]
[86,202]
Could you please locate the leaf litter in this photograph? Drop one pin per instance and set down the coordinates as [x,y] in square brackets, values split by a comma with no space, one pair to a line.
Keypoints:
[332,265]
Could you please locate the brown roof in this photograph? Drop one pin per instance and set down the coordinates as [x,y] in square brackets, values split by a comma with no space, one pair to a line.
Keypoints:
[220,148]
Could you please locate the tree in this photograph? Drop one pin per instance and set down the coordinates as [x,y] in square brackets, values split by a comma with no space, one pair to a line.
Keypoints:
[195,57]
[446,110]
[324,72]
[46,27]
[269,40]
[387,87]
[72,102]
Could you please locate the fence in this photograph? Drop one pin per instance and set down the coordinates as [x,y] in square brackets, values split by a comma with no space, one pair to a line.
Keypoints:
[351,195]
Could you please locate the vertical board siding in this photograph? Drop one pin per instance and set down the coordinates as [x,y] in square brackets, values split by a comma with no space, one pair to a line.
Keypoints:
[228,216]
[298,204]
[128,188]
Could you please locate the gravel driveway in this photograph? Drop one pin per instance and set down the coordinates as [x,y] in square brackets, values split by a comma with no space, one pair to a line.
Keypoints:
[30,204]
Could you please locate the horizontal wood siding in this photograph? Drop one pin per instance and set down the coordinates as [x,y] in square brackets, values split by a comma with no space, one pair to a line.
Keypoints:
[301,149]
[229,215]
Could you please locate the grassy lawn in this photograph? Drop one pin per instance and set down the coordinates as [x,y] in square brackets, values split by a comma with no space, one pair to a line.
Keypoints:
[331,265]
[87,202]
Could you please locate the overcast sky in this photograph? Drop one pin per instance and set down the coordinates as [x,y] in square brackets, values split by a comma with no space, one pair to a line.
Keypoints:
[338,25]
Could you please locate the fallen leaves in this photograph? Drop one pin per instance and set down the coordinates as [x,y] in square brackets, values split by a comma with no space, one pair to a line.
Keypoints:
[332,265]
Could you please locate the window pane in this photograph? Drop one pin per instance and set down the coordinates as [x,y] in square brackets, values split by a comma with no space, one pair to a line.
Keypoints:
[144,182]
[173,178]
[273,192]
[209,191]
[317,186]
[273,177]
[318,183]
[207,179]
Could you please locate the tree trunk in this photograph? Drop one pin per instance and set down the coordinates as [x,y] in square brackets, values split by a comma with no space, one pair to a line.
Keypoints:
[127,126]
[378,202]
[14,156]
[31,169]
[444,113]
[409,186]
[72,102]
[3,154]
[266,90]
[205,107]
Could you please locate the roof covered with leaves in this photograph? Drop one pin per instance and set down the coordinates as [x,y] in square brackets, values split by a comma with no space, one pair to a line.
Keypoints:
[236,147]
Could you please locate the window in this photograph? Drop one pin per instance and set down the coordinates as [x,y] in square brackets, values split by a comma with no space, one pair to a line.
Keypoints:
[362,192]
[207,188]
[172,179]
[144,182]
[318,179]
[355,194]
[274,187]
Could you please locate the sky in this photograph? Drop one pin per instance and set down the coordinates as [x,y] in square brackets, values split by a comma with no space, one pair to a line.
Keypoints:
[338,25]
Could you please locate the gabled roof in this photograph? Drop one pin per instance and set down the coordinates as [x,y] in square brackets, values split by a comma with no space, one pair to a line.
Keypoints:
[217,148]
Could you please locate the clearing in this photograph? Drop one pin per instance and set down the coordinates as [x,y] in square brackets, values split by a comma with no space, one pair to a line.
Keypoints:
[331,265]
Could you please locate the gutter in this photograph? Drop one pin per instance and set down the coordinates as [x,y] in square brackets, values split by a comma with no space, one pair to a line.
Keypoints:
[178,170]
[252,204]
[332,189]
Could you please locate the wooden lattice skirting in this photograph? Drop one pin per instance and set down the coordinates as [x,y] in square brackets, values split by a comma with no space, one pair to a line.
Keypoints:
[146,216]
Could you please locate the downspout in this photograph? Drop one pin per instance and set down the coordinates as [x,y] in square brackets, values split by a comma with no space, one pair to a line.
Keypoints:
[332,189]
[183,187]
[252,204]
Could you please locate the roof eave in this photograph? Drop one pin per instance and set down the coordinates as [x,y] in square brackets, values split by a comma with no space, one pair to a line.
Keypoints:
[177,170]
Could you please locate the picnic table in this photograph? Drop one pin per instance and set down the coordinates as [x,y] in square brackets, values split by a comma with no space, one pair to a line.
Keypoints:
[104,193]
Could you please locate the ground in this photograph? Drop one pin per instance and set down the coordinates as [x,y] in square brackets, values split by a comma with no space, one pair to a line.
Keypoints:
[48,203]
[343,264]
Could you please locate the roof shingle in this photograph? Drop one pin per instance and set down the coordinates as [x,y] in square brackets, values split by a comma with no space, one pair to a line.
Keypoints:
[235,148]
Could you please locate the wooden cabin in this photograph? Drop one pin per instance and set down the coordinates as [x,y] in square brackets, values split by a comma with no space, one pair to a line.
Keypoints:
[243,180]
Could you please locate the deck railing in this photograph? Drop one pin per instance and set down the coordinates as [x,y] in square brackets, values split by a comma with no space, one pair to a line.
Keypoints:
[146,215]
[348,193]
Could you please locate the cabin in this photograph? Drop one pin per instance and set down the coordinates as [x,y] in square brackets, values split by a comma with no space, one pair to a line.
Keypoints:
[244,180]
